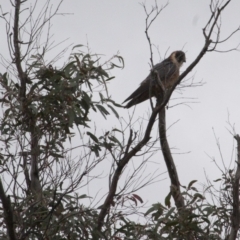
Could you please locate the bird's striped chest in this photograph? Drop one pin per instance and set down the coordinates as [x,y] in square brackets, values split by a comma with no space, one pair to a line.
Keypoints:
[171,79]
[168,76]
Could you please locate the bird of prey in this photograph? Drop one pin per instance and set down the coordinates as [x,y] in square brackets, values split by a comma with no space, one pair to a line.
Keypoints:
[168,73]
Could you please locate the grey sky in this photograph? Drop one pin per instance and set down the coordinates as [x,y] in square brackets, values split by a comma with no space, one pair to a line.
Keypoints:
[111,26]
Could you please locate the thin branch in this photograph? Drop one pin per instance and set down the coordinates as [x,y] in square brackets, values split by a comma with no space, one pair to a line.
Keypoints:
[148,24]
[17,51]
[130,140]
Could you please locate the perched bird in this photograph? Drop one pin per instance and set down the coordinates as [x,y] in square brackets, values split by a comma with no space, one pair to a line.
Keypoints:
[168,73]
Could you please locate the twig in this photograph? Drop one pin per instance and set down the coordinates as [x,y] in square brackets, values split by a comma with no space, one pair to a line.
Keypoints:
[148,24]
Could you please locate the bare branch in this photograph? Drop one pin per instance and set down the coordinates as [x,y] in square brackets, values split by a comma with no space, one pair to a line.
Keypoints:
[130,139]
[155,11]
[17,52]
[172,171]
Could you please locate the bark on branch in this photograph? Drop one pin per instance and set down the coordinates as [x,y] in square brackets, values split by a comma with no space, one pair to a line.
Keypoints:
[28,117]
[235,218]
[172,171]
[8,214]
[17,52]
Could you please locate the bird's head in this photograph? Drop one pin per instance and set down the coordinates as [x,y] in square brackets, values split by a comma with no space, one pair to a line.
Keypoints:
[178,57]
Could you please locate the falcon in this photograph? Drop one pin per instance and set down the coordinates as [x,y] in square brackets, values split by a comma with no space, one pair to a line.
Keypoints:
[168,73]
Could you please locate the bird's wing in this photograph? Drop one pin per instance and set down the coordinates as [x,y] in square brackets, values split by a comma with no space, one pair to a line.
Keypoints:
[164,69]
[167,72]
[140,90]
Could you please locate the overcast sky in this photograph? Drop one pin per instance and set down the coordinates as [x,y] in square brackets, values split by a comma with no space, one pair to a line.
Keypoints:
[111,26]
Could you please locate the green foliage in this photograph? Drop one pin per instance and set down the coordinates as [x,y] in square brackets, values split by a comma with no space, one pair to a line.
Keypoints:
[64,217]
[55,101]
[200,219]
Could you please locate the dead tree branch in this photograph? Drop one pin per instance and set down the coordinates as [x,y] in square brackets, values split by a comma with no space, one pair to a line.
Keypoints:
[155,11]
[124,161]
